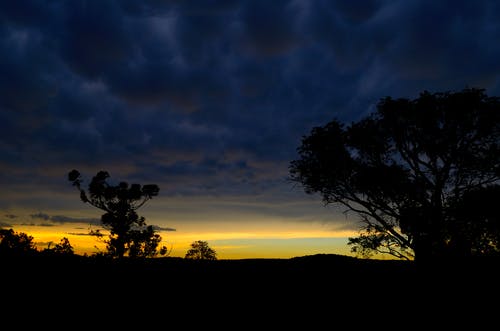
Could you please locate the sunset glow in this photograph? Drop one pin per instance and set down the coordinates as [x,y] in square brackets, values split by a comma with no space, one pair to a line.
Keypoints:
[210,103]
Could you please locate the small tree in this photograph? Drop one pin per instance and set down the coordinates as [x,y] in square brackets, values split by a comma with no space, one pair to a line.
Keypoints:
[201,251]
[129,234]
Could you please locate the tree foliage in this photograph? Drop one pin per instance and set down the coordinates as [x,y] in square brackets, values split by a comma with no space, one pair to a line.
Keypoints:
[201,251]
[129,234]
[16,243]
[422,174]
[64,247]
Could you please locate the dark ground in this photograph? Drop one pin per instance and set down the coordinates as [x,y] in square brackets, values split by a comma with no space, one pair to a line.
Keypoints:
[318,289]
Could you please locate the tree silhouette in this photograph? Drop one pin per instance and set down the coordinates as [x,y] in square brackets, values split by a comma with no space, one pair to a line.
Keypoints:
[63,248]
[201,251]
[477,222]
[16,243]
[129,234]
[412,171]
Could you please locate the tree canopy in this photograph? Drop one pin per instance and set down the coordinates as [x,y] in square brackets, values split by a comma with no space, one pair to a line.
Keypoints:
[64,247]
[422,174]
[16,243]
[129,234]
[200,250]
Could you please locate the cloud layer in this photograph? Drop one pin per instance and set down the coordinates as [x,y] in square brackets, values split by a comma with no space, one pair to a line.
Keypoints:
[213,97]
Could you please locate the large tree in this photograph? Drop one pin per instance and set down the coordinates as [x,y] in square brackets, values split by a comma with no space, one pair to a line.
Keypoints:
[129,234]
[413,171]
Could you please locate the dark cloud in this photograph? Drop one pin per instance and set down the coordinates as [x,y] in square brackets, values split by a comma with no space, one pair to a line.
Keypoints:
[41,216]
[42,224]
[212,97]
[29,73]
[38,224]
[95,38]
[80,234]
[63,219]
[160,228]
[269,27]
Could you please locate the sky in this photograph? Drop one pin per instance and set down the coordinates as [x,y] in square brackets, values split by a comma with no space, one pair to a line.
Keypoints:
[210,100]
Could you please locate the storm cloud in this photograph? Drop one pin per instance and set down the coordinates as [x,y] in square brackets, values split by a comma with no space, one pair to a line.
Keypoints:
[213,97]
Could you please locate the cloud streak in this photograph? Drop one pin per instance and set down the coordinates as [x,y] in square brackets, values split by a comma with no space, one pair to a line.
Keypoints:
[61,219]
